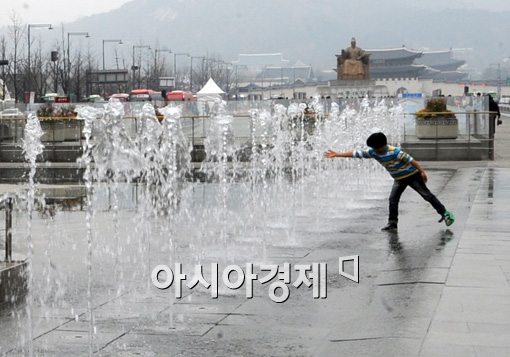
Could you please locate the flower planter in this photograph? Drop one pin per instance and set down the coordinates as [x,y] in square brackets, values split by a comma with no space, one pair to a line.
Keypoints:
[437,128]
[53,131]
[59,129]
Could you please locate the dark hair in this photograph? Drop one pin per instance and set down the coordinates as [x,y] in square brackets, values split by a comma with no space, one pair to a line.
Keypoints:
[377,140]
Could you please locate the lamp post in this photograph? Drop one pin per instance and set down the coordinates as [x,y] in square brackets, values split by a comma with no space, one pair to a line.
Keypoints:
[294,82]
[156,58]
[175,62]
[210,62]
[3,63]
[30,26]
[104,41]
[69,34]
[191,71]
[499,75]
[156,51]
[504,60]
[228,66]
[133,67]
[236,69]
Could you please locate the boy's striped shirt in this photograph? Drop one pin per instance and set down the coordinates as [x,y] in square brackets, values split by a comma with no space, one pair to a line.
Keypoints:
[396,161]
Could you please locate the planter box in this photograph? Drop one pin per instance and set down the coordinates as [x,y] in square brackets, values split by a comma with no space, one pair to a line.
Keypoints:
[52,131]
[60,130]
[437,128]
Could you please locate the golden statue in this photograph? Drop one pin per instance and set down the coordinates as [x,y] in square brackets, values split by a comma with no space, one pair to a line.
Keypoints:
[353,63]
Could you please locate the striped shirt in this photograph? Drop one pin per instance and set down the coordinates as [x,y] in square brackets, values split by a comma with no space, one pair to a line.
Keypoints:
[397,162]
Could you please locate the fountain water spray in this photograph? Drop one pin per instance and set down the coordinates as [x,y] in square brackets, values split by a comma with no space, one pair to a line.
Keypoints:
[260,204]
[32,148]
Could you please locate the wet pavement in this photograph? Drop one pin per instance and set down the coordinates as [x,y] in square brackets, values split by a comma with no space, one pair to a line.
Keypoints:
[424,291]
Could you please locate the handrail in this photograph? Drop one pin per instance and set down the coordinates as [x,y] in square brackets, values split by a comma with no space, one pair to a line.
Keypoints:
[450,113]
[7,204]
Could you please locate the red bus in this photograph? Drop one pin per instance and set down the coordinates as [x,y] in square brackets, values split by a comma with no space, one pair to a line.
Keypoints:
[179,95]
[144,95]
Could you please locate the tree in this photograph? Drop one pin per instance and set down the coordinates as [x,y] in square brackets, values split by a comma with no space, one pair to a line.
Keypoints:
[3,55]
[16,33]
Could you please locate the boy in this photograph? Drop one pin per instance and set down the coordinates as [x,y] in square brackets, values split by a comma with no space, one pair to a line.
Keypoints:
[405,171]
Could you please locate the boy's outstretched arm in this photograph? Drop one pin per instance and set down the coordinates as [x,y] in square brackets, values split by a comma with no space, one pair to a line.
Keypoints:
[331,154]
[420,170]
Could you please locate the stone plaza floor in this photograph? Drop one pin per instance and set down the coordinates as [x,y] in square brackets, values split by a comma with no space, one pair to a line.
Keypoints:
[424,291]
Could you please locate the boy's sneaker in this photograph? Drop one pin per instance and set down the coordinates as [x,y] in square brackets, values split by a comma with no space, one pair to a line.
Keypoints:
[390,227]
[448,218]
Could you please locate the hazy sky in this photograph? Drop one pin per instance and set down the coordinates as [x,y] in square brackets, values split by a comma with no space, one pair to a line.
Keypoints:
[54,11]
[57,11]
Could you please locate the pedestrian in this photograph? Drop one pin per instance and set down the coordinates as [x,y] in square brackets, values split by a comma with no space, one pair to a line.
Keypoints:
[405,171]
[494,109]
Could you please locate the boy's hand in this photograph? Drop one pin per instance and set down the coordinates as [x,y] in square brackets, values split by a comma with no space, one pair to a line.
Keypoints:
[424,176]
[330,154]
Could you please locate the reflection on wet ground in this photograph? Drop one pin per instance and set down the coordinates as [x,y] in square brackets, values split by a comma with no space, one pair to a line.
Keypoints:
[400,275]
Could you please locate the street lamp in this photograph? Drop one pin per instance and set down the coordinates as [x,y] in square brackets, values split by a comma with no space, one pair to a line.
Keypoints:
[504,60]
[3,63]
[156,51]
[191,71]
[156,70]
[209,63]
[133,67]
[29,58]
[220,65]
[104,41]
[499,75]
[175,62]
[228,66]
[69,34]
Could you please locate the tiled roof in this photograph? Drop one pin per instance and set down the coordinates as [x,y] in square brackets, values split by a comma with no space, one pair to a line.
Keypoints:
[261,60]
[392,53]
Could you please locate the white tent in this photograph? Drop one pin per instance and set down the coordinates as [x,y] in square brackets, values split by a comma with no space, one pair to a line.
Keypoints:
[210,92]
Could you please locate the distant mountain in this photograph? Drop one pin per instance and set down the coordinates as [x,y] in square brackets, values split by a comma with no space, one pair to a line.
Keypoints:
[311,31]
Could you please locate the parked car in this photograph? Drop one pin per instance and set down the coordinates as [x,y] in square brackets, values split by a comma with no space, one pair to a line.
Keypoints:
[93,98]
[123,97]
[11,113]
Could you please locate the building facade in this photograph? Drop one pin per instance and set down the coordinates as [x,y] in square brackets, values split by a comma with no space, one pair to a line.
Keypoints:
[403,63]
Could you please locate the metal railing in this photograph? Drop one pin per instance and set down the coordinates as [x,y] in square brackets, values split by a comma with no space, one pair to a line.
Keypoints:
[469,135]
[7,205]
[474,136]
[61,136]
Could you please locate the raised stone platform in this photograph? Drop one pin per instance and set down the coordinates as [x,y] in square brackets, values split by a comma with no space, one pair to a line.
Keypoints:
[47,172]
[461,149]
[54,152]
[13,287]
[354,89]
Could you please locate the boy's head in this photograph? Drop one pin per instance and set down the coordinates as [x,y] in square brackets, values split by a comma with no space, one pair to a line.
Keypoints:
[377,141]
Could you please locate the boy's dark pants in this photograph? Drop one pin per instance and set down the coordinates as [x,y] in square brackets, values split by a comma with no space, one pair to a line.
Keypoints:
[417,184]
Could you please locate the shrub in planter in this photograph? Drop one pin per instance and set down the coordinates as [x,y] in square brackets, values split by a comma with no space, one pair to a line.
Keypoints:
[435,121]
